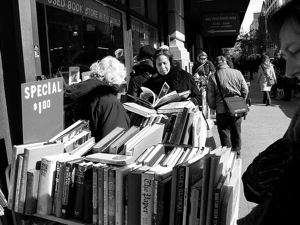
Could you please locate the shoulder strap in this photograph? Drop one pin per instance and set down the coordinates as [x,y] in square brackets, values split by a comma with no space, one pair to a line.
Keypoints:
[219,85]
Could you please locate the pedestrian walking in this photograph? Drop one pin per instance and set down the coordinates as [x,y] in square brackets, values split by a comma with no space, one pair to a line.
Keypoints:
[232,83]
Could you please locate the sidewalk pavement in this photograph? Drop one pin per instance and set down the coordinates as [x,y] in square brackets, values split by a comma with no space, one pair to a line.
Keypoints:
[262,126]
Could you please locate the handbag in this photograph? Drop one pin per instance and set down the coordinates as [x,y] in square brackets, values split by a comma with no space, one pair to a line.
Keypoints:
[236,106]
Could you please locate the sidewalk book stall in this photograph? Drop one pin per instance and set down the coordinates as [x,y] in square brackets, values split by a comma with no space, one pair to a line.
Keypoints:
[159,171]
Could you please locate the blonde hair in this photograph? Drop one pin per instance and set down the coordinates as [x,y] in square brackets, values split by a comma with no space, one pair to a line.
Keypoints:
[109,70]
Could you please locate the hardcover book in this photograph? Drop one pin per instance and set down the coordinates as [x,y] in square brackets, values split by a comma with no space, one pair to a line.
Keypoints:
[147,197]
[31,191]
[83,173]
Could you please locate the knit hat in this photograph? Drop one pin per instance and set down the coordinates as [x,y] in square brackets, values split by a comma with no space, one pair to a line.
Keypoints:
[146,52]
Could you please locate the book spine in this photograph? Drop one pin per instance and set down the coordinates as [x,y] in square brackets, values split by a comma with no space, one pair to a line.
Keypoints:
[101,195]
[119,198]
[45,187]
[112,197]
[147,198]
[12,181]
[87,211]
[56,184]
[78,192]
[66,191]
[18,183]
[180,189]
[31,191]
[22,192]
[194,205]
[155,201]
[95,195]
[173,197]
[105,196]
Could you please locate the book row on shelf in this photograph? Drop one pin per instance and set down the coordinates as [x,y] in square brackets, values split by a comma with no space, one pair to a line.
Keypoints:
[159,171]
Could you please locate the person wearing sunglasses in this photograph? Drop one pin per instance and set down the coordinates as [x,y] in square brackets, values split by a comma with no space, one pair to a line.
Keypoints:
[202,69]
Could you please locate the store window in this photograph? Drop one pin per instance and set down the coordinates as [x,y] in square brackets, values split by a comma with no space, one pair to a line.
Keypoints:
[79,33]
[142,34]
[152,10]
[147,8]
[138,6]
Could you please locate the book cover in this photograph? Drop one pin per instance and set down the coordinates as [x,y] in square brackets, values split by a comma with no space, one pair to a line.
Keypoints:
[68,188]
[169,127]
[48,166]
[83,173]
[175,128]
[18,181]
[16,150]
[101,193]
[58,184]
[74,75]
[147,197]
[118,146]
[32,155]
[31,191]
[134,196]
[105,142]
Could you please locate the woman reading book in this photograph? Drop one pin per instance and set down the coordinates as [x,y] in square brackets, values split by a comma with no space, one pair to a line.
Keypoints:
[178,79]
[96,98]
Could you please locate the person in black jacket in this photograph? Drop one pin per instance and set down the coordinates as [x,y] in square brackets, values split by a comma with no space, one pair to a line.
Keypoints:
[178,79]
[96,98]
[142,70]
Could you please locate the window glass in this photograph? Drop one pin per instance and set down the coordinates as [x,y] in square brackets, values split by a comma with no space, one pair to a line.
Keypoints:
[152,10]
[138,6]
[142,34]
[78,37]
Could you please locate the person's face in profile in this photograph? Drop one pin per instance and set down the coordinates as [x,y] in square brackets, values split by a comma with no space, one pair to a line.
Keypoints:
[290,44]
[163,65]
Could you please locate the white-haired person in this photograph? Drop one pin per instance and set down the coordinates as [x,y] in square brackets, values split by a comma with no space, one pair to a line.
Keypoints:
[96,100]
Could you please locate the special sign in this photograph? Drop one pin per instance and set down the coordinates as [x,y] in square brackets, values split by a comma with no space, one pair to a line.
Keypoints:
[42,109]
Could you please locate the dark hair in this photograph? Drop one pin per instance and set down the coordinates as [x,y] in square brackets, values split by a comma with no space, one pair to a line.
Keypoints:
[146,52]
[289,11]
[166,53]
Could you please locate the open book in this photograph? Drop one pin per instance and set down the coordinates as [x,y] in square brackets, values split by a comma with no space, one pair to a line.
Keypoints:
[164,96]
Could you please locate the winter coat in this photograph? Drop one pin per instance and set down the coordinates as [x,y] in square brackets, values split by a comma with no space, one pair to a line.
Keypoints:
[179,80]
[261,77]
[205,69]
[93,101]
[232,84]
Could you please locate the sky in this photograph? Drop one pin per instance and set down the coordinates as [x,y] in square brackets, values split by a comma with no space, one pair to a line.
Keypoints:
[253,7]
